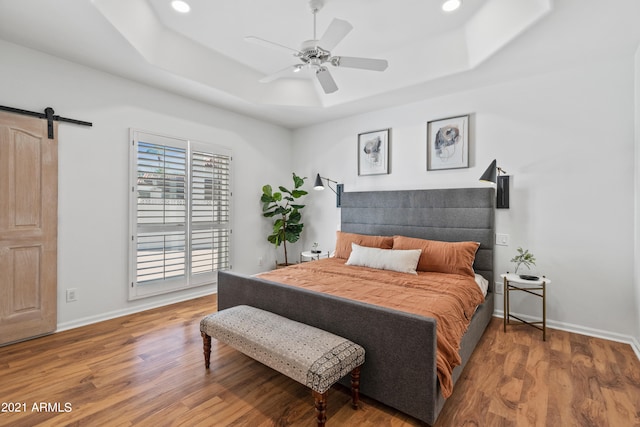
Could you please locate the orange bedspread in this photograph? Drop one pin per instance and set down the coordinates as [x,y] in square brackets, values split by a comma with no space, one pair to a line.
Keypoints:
[450,299]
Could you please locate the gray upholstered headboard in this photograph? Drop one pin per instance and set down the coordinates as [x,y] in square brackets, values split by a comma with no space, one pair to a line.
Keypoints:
[452,215]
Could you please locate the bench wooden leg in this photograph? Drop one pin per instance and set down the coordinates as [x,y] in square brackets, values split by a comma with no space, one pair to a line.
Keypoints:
[321,407]
[355,387]
[206,344]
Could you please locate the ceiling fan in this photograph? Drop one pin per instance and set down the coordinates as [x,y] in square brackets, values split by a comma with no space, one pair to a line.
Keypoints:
[314,54]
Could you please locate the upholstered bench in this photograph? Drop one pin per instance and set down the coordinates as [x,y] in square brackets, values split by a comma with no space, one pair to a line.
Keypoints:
[311,356]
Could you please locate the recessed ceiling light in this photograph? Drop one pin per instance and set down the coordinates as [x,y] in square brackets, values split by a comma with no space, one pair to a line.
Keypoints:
[451,5]
[180,6]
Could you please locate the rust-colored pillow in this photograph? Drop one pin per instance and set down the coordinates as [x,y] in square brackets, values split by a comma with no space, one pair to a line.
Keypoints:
[441,257]
[344,241]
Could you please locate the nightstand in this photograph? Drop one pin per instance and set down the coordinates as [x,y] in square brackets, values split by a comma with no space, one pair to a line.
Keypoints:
[513,282]
[312,256]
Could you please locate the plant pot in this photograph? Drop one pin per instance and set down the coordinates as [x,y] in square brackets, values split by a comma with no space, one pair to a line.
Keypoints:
[527,273]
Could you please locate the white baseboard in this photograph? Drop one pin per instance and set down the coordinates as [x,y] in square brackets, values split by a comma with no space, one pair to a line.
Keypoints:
[568,327]
[582,330]
[635,345]
[198,292]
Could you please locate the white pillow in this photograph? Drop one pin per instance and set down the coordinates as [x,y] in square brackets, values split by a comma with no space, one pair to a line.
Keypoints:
[483,284]
[403,261]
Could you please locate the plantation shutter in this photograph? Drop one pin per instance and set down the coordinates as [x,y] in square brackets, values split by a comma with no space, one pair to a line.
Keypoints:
[210,212]
[181,196]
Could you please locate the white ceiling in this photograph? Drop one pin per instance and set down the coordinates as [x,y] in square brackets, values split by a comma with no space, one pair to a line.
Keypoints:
[203,54]
[289,22]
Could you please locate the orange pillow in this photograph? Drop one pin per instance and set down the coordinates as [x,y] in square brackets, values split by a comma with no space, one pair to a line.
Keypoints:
[344,241]
[441,257]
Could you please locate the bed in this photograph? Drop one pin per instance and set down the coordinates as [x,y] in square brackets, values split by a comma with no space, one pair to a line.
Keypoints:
[400,368]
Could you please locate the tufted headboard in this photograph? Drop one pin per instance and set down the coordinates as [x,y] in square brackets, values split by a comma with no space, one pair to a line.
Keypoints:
[453,215]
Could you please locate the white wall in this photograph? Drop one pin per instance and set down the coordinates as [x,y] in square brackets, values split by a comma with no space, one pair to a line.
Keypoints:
[551,132]
[637,199]
[93,172]
[565,137]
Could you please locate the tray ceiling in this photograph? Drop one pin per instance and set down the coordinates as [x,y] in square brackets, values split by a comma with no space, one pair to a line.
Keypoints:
[203,54]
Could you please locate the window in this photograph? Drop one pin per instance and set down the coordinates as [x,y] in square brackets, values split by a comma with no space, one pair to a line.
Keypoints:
[180,213]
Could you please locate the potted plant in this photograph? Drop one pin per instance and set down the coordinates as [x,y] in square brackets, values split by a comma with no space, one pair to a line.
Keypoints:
[525,258]
[281,204]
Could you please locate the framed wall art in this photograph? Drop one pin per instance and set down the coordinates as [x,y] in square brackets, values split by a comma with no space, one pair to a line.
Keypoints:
[373,152]
[448,143]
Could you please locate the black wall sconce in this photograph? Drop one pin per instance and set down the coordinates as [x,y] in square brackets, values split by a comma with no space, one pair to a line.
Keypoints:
[339,187]
[492,174]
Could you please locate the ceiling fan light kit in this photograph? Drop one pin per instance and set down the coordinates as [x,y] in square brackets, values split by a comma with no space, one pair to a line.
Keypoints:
[317,52]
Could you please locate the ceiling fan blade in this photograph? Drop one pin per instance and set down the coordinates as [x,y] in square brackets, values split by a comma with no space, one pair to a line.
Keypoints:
[361,63]
[285,72]
[326,81]
[338,30]
[279,74]
[272,45]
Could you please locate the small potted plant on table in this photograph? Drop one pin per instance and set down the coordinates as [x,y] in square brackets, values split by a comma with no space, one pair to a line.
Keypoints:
[527,259]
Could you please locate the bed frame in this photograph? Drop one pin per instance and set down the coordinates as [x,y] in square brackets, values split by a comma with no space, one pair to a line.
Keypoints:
[400,366]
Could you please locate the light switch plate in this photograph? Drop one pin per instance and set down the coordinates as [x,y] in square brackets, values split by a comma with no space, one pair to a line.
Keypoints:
[502,239]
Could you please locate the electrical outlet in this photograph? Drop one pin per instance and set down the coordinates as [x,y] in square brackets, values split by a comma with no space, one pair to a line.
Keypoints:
[72,294]
[499,288]
[260,261]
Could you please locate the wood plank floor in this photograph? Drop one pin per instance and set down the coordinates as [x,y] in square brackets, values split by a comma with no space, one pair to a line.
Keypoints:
[147,369]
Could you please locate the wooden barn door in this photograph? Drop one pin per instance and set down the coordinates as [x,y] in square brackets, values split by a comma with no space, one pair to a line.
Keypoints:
[28,228]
